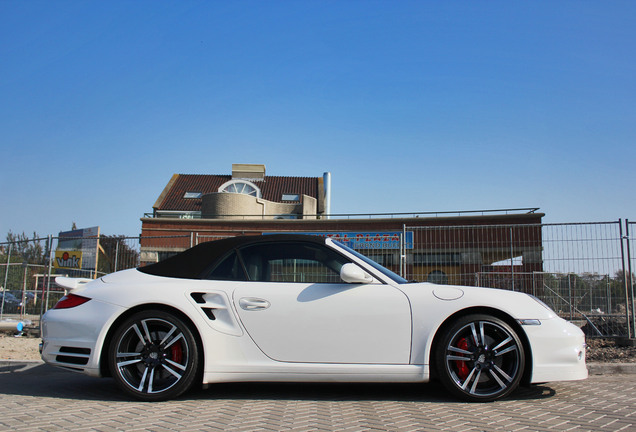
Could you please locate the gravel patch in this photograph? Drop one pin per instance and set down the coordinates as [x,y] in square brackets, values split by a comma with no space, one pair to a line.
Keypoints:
[607,351]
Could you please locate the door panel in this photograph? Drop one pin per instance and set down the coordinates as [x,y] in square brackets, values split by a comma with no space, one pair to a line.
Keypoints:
[327,323]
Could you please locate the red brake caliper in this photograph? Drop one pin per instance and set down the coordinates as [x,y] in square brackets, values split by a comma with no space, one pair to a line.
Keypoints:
[462,367]
[176,353]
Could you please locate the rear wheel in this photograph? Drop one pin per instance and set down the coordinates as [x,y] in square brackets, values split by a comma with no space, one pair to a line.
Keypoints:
[480,358]
[154,356]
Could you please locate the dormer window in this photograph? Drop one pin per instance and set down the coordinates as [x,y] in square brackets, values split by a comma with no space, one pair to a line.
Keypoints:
[241,187]
[291,197]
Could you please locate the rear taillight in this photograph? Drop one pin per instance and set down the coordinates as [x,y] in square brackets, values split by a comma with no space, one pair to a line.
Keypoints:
[70,301]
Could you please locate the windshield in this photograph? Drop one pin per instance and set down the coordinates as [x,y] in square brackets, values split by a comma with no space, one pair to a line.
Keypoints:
[386,272]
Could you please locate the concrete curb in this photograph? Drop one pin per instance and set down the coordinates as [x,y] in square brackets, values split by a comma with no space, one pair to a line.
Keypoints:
[593,368]
[611,368]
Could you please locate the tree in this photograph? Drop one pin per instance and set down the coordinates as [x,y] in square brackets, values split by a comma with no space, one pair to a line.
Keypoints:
[27,250]
[619,276]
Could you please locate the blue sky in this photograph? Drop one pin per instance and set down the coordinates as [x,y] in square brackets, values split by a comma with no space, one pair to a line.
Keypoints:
[411,105]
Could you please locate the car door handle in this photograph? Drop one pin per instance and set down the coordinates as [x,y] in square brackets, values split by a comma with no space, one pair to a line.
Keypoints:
[252,303]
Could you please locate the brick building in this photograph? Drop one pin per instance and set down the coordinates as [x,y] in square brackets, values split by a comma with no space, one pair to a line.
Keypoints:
[447,249]
[246,194]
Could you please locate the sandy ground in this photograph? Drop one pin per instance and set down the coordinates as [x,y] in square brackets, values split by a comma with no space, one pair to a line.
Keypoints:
[19,348]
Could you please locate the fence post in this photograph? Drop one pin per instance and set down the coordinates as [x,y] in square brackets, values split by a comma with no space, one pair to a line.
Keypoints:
[620,232]
[25,264]
[403,252]
[608,295]
[48,285]
[570,296]
[629,274]
[534,284]
[116,254]
[512,259]
[6,274]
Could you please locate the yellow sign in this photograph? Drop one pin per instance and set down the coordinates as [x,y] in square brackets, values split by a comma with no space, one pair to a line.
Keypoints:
[68,260]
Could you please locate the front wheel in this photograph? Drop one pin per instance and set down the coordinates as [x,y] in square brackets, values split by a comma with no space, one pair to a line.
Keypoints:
[480,358]
[154,356]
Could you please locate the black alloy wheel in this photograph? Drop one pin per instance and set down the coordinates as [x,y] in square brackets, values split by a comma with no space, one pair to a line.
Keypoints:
[480,358]
[154,356]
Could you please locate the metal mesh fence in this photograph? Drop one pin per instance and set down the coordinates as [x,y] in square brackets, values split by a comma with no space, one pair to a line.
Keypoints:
[118,253]
[583,274]
[577,269]
[157,248]
[28,269]
[23,266]
[581,270]
[483,255]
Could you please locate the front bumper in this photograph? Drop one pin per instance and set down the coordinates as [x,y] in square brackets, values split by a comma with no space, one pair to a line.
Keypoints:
[558,351]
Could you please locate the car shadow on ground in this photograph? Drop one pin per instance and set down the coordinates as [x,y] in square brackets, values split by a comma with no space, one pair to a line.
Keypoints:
[429,392]
[39,380]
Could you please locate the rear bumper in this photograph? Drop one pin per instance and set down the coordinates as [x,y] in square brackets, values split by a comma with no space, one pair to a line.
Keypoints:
[73,338]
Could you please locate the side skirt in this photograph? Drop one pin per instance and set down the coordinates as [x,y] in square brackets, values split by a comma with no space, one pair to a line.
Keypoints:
[322,373]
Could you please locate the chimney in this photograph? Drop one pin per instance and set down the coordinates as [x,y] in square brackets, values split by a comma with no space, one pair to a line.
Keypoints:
[252,172]
[327,184]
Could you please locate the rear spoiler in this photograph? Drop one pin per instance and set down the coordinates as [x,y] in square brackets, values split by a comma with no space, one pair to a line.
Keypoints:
[71,283]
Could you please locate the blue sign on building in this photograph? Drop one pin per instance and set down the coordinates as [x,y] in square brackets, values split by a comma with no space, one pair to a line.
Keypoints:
[368,240]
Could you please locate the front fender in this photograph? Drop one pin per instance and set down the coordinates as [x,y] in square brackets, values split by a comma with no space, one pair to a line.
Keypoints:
[433,305]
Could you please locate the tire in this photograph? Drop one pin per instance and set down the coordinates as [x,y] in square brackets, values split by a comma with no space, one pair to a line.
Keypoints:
[480,358]
[154,356]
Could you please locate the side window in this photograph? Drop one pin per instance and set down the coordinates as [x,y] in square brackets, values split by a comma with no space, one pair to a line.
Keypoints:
[228,269]
[292,262]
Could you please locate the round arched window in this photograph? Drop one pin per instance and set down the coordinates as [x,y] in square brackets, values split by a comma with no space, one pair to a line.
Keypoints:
[241,187]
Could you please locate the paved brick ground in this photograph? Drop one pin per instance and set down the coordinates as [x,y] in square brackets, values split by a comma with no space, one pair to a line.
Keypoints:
[38,397]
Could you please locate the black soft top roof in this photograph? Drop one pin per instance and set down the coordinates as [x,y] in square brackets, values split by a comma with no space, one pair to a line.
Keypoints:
[191,263]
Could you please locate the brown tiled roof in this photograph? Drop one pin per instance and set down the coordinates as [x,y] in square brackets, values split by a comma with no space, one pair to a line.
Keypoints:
[272,189]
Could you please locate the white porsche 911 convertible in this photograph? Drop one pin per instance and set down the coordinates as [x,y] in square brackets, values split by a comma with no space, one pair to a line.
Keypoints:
[302,308]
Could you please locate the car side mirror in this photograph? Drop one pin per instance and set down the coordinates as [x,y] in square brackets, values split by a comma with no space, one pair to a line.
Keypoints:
[351,273]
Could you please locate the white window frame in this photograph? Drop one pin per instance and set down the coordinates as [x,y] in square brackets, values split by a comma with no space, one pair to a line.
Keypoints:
[223,188]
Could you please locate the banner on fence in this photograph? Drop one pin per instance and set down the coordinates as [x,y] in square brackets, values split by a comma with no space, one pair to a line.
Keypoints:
[84,241]
[68,260]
